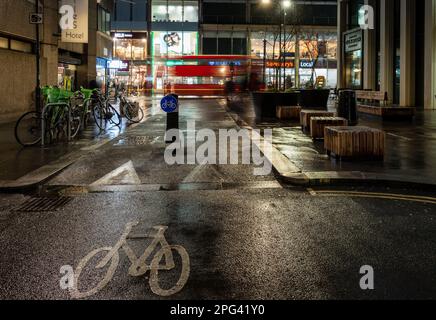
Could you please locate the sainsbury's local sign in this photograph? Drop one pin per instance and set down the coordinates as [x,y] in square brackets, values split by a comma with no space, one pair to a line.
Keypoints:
[74,20]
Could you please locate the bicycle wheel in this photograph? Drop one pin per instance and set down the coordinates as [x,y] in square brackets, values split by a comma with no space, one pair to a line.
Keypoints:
[99,116]
[113,115]
[75,124]
[74,290]
[28,129]
[154,272]
[132,113]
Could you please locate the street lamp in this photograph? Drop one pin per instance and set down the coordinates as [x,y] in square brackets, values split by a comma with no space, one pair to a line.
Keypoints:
[283,5]
[286,3]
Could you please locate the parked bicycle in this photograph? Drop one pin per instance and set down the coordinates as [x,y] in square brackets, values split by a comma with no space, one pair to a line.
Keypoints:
[103,112]
[58,116]
[130,110]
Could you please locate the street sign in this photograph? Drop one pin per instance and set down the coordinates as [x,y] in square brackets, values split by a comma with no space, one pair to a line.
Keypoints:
[169,103]
[120,65]
[35,18]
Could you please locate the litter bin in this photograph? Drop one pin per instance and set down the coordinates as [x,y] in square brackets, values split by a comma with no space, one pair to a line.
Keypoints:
[347,106]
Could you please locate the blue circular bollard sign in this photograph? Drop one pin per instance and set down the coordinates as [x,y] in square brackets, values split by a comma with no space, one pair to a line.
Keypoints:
[168,103]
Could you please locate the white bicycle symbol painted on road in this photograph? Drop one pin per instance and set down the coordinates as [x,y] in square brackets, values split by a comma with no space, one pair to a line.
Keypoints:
[138,266]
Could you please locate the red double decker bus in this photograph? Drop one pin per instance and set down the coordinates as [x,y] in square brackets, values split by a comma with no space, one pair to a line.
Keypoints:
[203,75]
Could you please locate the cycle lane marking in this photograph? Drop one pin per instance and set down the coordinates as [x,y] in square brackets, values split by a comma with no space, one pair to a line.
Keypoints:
[138,265]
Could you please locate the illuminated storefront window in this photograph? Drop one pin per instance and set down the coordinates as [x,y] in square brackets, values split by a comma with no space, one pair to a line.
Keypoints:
[174,43]
[318,56]
[271,48]
[175,11]
[131,49]
[66,76]
[135,72]
[353,59]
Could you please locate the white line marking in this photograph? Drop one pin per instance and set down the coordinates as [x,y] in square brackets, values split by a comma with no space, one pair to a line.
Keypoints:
[400,137]
[125,174]
[311,191]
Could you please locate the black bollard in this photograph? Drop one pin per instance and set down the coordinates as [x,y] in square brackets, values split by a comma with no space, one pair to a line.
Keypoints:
[172,115]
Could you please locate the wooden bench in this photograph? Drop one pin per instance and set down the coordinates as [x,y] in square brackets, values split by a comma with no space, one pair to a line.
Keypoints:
[288,112]
[305,116]
[352,142]
[376,103]
[372,96]
[317,125]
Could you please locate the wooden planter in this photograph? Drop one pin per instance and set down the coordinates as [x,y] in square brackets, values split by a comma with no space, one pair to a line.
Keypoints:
[288,112]
[317,125]
[305,116]
[352,142]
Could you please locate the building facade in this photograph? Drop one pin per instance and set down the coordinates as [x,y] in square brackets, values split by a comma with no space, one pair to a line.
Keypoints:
[68,65]
[151,36]
[397,56]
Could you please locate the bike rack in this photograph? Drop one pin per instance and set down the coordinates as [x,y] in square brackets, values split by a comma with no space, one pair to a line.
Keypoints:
[45,109]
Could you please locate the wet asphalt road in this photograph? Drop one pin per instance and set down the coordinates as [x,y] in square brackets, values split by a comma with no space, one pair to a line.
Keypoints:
[246,237]
[242,244]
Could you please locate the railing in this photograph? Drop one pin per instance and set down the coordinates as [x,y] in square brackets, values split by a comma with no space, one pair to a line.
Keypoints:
[310,21]
[268,20]
[221,19]
[46,108]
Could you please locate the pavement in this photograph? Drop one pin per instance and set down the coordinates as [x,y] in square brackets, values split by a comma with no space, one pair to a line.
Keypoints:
[23,168]
[409,156]
[296,158]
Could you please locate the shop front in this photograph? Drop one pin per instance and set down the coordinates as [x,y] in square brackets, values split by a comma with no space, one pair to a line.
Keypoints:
[309,71]
[67,70]
[317,56]
[167,48]
[102,75]
[132,75]
[131,67]
[353,59]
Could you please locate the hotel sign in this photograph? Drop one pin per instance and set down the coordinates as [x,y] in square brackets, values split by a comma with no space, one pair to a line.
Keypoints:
[74,20]
[353,41]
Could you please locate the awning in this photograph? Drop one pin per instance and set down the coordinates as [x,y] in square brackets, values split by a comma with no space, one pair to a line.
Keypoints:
[69,60]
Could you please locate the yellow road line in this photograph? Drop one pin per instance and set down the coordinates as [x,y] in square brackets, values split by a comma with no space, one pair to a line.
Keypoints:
[389,196]
[374,193]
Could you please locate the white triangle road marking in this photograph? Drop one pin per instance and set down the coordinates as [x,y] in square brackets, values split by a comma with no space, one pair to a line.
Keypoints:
[123,175]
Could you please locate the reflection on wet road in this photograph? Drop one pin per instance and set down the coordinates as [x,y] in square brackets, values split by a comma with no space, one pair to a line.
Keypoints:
[16,161]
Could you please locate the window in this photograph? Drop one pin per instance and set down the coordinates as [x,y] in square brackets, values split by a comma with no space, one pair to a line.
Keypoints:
[232,13]
[4,43]
[175,43]
[191,11]
[175,10]
[103,20]
[209,45]
[21,46]
[139,10]
[122,11]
